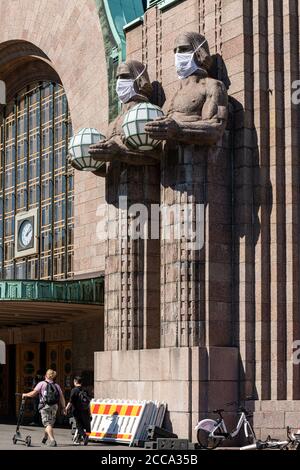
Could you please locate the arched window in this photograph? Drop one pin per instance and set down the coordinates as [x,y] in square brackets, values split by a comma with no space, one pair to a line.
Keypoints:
[35,174]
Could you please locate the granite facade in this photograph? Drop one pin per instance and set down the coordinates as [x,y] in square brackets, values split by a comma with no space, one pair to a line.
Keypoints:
[250,276]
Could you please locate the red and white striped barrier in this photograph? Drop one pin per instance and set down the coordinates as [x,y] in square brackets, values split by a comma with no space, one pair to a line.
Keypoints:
[124,421]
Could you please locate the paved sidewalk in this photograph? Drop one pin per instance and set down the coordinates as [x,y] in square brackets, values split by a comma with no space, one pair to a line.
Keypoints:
[63,438]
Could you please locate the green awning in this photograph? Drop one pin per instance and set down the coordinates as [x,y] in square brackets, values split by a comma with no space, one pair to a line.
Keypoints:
[85,291]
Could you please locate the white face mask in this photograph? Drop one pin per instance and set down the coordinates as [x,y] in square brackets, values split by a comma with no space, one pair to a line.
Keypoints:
[185,63]
[125,88]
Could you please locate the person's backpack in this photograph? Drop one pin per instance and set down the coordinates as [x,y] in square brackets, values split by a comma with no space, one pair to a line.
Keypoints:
[83,400]
[51,394]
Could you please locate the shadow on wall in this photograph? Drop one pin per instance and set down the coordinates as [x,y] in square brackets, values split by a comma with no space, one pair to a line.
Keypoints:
[252,206]
[113,428]
[167,423]
[251,195]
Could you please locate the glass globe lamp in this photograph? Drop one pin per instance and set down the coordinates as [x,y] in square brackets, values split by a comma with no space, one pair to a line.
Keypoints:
[134,126]
[79,149]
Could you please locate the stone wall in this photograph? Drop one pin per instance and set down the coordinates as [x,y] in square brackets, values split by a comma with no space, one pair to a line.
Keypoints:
[259,45]
[271,417]
[67,37]
[89,236]
[192,381]
[87,337]
[267,201]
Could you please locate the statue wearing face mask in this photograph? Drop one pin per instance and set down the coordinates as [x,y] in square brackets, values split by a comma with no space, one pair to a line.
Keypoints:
[132,260]
[197,112]
[133,87]
[193,179]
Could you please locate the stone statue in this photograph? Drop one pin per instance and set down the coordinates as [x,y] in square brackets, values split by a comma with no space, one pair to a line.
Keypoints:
[194,172]
[197,112]
[132,264]
[133,87]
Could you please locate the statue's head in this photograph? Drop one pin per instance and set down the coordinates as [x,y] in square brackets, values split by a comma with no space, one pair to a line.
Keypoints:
[196,44]
[133,79]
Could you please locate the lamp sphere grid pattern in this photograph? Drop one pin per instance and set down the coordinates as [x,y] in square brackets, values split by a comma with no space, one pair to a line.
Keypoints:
[134,125]
[79,149]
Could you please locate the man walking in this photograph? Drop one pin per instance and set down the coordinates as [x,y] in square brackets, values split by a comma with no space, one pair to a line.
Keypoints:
[80,402]
[50,395]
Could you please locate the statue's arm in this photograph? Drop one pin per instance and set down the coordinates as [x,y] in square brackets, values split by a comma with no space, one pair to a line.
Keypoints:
[210,128]
[114,148]
[106,148]
[207,130]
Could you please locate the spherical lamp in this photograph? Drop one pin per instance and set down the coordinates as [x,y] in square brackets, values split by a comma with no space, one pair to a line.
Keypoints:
[79,149]
[134,126]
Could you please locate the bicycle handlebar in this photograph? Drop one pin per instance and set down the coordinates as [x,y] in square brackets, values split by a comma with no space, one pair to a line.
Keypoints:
[240,409]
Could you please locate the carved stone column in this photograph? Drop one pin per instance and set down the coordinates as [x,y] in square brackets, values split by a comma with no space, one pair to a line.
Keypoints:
[196,279]
[132,264]
[182,268]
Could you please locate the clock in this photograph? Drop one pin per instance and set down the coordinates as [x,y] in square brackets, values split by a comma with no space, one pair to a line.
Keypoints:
[26,233]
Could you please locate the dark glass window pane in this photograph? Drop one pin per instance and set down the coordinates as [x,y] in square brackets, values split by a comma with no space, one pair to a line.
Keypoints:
[33,168]
[21,270]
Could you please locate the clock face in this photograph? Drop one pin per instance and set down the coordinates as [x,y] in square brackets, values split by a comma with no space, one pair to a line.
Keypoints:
[26,233]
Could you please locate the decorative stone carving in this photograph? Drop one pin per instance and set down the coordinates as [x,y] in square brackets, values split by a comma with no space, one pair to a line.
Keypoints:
[194,123]
[114,147]
[197,112]
[132,269]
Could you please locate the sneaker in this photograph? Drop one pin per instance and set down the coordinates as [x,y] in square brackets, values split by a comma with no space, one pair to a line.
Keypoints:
[44,440]
[86,440]
[52,444]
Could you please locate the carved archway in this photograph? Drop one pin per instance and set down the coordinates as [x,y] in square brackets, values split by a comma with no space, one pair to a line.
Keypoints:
[22,63]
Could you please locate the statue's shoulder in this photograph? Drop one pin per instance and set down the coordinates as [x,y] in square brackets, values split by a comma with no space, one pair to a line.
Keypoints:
[217,89]
[213,84]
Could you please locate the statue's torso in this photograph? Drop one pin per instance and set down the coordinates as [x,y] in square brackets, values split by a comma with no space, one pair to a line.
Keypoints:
[188,100]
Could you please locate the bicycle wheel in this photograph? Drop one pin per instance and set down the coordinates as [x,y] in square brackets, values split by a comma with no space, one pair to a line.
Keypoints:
[205,441]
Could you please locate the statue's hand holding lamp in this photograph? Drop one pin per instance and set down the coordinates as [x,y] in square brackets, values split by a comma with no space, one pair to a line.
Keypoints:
[163,128]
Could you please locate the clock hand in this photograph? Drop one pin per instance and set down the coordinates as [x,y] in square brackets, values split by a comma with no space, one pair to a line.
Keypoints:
[29,230]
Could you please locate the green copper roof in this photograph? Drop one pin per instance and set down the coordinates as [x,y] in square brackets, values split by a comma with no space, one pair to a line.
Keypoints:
[119,13]
[114,15]
[86,291]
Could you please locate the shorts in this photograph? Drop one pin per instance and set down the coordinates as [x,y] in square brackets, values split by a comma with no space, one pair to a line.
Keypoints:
[48,415]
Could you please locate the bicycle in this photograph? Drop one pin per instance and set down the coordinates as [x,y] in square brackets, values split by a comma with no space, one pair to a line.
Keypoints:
[291,443]
[210,432]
